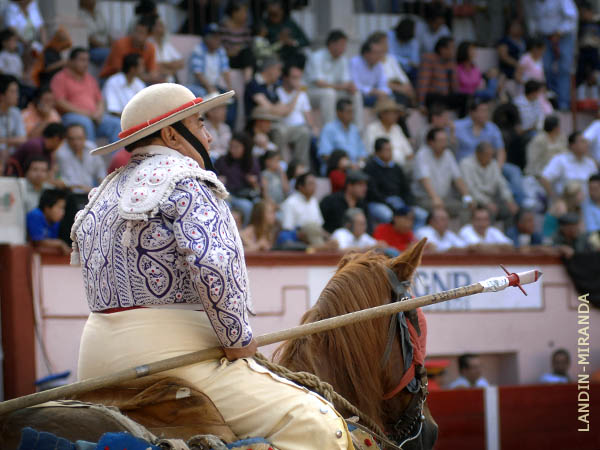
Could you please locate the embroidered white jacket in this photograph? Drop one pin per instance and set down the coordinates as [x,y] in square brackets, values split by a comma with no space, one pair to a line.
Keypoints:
[158,232]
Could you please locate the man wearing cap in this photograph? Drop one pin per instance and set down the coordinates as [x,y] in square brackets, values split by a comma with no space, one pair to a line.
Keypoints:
[164,274]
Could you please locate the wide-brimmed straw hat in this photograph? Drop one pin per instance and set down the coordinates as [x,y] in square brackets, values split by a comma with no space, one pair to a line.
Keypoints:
[387,104]
[156,107]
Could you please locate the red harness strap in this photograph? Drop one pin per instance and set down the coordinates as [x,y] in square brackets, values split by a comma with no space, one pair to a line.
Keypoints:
[119,309]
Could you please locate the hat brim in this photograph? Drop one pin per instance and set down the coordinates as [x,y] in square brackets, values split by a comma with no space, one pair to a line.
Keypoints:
[201,107]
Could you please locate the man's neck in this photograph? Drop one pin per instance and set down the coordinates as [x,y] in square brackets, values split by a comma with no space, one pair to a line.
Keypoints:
[75,73]
[287,88]
[438,154]
[345,125]
[130,77]
[350,200]
[36,187]
[480,234]
[306,197]
[387,126]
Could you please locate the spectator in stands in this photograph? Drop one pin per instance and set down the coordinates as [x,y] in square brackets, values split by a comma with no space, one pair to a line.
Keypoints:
[591,206]
[397,79]
[121,87]
[40,112]
[214,121]
[35,181]
[50,61]
[531,66]
[438,116]
[561,360]
[439,237]
[433,29]
[301,207]
[279,22]
[144,9]
[168,58]
[569,239]
[236,37]
[209,65]
[524,234]
[389,188]
[342,134]
[12,129]
[10,60]
[98,34]
[329,80]
[43,222]
[511,48]
[572,165]
[44,146]
[486,184]
[588,91]
[338,164]
[135,42]
[79,170]
[398,233]
[79,99]
[544,146]
[25,18]
[530,108]
[294,130]
[437,74]
[275,186]
[469,78]
[469,367]
[588,57]
[556,21]
[404,46]
[259,127]
[480,235]
[388,113]
[592,134]
[335,205]
[436,172]
[367,72]
[353,234]
[240,172]
[261,232]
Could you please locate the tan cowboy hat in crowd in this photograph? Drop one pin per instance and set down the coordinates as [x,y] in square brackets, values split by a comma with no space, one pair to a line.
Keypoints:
[156,107]
[387,104]
[262,113]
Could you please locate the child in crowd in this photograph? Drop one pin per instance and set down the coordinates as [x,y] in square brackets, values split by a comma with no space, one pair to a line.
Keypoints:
[470,79]
[261,232]
[274,181]
[10,60]
[337,165]
[588,92]
[531,65]
[43,222]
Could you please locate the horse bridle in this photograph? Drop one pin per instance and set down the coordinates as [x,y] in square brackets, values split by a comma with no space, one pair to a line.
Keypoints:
[403,430]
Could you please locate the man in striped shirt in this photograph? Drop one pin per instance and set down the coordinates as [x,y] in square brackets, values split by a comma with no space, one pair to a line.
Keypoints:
[437,75]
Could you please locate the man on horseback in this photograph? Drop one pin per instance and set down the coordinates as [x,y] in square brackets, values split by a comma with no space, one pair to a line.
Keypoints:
[164,273]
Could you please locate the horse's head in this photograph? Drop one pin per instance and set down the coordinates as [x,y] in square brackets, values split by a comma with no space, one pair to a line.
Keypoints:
[363,362]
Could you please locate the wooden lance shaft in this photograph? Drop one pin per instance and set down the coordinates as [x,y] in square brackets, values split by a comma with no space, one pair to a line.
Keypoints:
[91,384]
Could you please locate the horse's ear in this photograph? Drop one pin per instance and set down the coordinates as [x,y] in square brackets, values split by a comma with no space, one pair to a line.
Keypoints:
[406,264]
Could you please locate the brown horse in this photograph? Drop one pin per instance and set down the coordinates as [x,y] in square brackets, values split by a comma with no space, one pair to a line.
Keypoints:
[350,358]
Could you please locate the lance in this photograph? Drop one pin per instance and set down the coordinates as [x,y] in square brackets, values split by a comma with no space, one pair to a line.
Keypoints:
[490,285]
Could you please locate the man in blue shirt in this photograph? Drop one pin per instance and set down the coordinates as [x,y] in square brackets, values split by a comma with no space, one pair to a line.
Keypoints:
[591,206]
[524,233]
[43,222]
[477,128]
[342,134]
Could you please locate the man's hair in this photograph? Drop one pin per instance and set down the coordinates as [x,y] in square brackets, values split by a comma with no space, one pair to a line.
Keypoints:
[302,179]
[594,177]
[432,133]
[75,125]
[288,68]
[34,159]
[432,214]
[561,351]
[405,30]
[54,129]
[551,123]
[479,207]
[50,197]
[442,43]
[6,81]
[342,103]
[434,11]
[143,141]
[536,42]
[482,146]
[377,37]
[532,86]
[130,61]
[146,21]
[436,109]
[233,6]
[145,7]
[462,53]
[75,52]
[268,62]
[349,216]
[476,102]
[380,143]
[573,137]
[463,360]
[522,212]
[39,93]
[5,35]
[334,36]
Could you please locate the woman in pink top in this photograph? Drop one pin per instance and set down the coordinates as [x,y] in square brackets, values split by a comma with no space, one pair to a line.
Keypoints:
[470,79]
[531,66]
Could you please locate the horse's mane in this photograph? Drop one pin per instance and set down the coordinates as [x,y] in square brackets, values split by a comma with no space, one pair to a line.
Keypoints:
[360,282]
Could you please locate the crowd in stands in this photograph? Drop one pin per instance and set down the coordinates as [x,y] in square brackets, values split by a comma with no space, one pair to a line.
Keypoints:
[328,157]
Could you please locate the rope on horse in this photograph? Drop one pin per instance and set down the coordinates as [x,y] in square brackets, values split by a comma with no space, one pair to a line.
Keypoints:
[314,383]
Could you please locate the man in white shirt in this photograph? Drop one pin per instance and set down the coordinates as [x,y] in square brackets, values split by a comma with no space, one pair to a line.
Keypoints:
[574,165]
[354,233]
[469,367]
[328,77]
[592,134]
[480,233]
[295,128]
[561,360]
[301,208]
[530,108]
[121,87]
[439,237]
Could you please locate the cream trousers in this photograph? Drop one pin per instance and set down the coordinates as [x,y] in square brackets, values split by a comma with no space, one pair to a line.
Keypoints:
[253,401]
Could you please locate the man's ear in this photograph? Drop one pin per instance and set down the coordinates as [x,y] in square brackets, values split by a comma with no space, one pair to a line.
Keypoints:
[171,138]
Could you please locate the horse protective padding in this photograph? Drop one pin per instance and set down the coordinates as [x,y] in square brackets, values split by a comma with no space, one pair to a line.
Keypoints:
[167,406]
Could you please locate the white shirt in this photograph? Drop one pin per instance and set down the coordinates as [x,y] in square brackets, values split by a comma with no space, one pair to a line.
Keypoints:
[442,243]
[492,236]
[322,67]
[530,112]
[393,71]
[401,148]
[166,53]
[296,117]
[565,167]
[27,26]
[346,239]
[118,92]
[88,171]
[462,382]
[592,134]
[296,212]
